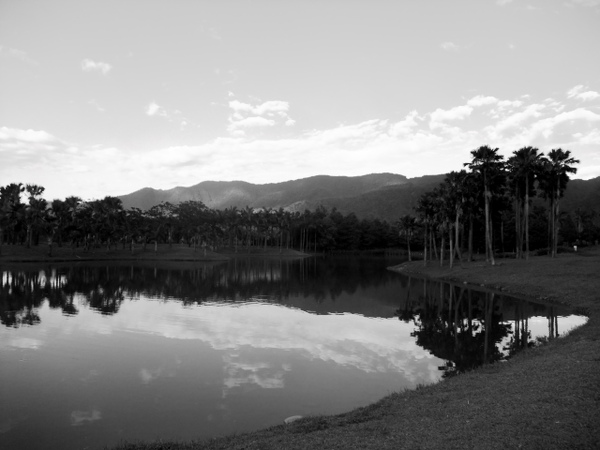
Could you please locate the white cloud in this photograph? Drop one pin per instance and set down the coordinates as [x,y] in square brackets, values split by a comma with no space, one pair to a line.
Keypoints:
[579,93]
[245,116]
[589,3]
[26,136]
[439,117]
[175,116]
[95,104]
[406,125]
[261,149]
[482,100]
[154,109]
[515,120]
[250,122]
[88,65]
[503,2]
[506,104]
[450,46]
[18,54]
[546,126]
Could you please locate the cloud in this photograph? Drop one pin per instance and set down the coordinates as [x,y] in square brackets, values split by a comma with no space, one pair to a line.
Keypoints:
[503,2]
[87,65]
[439,117]
[24,136]
[588,3]
[406,125]
[95,104]
[81,417]
[245,116]
[482,100]
[546,127]
[251,122]
[259,148]
[175,116]
[241,333]
[576,92]
[18,54]
[450,46]
[154,109]
[515,120]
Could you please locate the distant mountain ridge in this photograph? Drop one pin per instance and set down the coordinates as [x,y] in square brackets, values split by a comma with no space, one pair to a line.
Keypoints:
[385,196]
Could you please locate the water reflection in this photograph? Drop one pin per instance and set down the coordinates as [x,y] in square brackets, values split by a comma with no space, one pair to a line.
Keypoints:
[95,353]
[468,328]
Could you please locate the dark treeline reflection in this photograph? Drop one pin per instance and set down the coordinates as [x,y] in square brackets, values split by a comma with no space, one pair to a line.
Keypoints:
[104,287]
[469,328]
[465,328]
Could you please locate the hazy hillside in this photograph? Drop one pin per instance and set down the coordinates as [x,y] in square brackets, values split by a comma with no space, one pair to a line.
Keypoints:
[292,194]
[385,196]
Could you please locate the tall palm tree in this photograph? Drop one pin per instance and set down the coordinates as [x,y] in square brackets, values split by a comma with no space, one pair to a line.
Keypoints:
[407,225]
[426,212]
[10,206]
[554,179]
[489,164]
[524,167]
[456,197]
[35,210]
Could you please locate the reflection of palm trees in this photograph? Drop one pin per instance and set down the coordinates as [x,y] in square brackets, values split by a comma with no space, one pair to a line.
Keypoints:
[465,332]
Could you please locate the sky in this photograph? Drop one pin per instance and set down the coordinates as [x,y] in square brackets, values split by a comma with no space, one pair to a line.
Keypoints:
[107,97]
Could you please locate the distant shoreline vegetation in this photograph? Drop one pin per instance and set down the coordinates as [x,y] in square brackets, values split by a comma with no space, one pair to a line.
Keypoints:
[487,209]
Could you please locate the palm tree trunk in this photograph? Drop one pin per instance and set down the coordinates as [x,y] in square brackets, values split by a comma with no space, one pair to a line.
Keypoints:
[471,237]
[424,247]
[518,243]
[526,216]
[450,248]
[442,244]
[456,237]
[488,229]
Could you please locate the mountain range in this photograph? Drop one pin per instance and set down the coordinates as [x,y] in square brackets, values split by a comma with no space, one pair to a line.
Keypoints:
[385,196]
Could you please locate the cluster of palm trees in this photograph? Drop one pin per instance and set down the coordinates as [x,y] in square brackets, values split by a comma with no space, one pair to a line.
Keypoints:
[491,193]
[106,223]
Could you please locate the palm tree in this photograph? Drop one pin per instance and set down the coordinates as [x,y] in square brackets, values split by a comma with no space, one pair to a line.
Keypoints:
[10,205]
[488,163]
[554,179]
[35,211]
[426,211]
[524,167]
[456,197]
[407,225]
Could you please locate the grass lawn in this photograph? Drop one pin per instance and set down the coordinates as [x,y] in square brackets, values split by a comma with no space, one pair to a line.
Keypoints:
[164,252]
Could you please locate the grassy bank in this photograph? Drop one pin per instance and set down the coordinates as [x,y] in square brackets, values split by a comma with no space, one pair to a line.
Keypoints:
[545,397]
[164,252]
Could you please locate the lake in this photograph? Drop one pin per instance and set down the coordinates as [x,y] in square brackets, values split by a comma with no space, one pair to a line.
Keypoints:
[92,354]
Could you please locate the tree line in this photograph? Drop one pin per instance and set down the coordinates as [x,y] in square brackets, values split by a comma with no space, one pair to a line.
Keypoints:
[26,218]
[490,208]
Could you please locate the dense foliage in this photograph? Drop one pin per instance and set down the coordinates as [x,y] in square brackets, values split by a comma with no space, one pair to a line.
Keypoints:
[498,207]
[105,222]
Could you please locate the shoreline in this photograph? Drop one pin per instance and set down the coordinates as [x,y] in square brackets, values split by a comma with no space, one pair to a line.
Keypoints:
[11,254]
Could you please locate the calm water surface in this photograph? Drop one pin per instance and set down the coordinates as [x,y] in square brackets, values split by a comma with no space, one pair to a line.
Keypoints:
[94,354]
